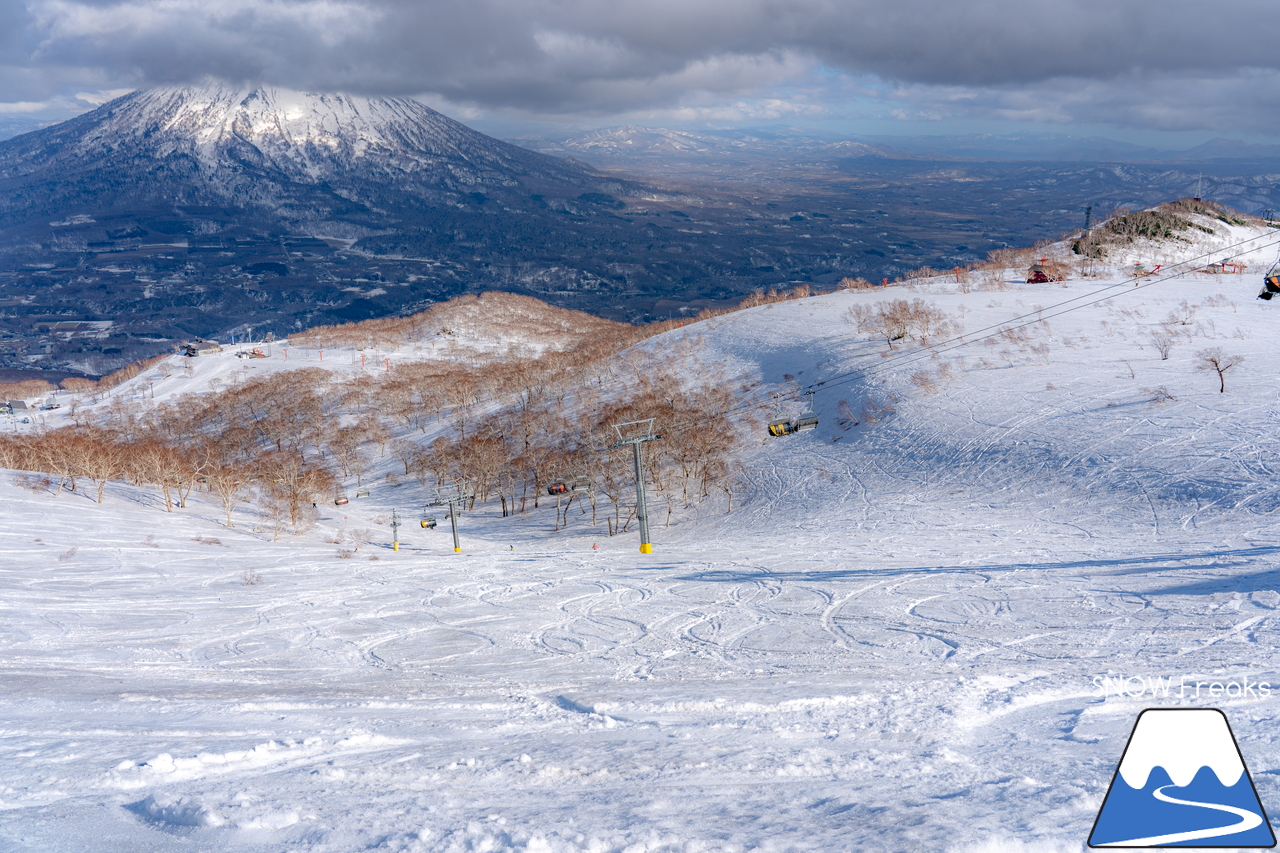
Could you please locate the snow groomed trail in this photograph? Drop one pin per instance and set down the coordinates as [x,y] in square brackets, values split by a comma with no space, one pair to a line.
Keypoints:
[928,633]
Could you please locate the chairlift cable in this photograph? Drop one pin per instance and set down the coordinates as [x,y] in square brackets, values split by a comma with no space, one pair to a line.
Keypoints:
[1129,285]
[1024,320]
[1000,328]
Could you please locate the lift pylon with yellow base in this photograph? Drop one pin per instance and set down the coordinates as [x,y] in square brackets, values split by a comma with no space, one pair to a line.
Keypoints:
[452,503]
[636,433]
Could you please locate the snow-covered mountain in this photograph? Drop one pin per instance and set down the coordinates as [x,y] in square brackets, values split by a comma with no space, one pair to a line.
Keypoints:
[267,148]
[294,130]
[185,211]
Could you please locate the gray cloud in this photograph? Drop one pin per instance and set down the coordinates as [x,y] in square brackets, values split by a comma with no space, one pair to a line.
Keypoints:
[1173,64]
[1239,101]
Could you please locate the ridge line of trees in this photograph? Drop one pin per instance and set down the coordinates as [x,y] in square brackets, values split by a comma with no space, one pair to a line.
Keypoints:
[507,426]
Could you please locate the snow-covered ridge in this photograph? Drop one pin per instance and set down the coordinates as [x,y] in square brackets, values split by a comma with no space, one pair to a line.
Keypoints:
[239,142]
[213,114]
[295,128]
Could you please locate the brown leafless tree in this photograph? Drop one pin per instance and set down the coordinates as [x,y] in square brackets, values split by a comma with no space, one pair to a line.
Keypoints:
[1214,360]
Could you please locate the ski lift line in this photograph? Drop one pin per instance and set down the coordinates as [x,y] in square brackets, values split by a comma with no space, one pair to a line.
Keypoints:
[1023,320]
[994,330]
[1096,296]
[802,422]
[948,346]
[999,328]
[451,502]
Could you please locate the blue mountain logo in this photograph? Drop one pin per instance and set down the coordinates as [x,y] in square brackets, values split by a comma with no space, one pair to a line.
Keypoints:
[1182,782]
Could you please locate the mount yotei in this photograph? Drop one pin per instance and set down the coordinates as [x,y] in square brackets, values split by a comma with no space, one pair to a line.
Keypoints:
[186,211]
[318,162]
[196,211]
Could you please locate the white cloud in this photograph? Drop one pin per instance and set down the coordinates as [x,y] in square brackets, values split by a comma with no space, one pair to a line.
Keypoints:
[102,96]
[23,107]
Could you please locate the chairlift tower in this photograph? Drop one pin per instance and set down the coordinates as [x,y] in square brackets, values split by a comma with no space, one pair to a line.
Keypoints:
[452,502]
[395,531]
[636,433]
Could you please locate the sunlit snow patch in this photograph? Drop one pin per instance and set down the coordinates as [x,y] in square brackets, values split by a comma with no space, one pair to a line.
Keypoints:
[1182,783]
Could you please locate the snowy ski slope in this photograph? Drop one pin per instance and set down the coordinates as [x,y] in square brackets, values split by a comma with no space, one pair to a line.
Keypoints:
[909,635]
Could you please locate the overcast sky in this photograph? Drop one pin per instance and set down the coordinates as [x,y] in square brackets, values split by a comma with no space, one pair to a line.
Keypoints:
[1153,70]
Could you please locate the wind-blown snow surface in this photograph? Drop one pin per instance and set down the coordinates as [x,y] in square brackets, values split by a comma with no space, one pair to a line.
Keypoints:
[909,635]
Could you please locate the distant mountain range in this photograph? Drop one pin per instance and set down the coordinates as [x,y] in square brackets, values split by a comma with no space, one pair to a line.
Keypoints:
[629,141]
[1054,147]
[633,140]
[203,211]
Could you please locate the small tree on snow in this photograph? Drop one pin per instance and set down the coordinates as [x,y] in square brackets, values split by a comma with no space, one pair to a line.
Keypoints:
[1162,339]
[1216,361]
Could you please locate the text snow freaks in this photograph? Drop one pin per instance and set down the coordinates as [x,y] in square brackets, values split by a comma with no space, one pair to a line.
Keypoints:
[1181,687]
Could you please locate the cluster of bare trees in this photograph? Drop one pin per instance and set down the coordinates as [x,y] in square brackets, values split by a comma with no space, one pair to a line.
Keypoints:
[494,316]
[25,390]
[897,319]
[283,483]
[29,388]
[249,443]
[513,453]
[1180,325]
[510,428]
[507,426]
